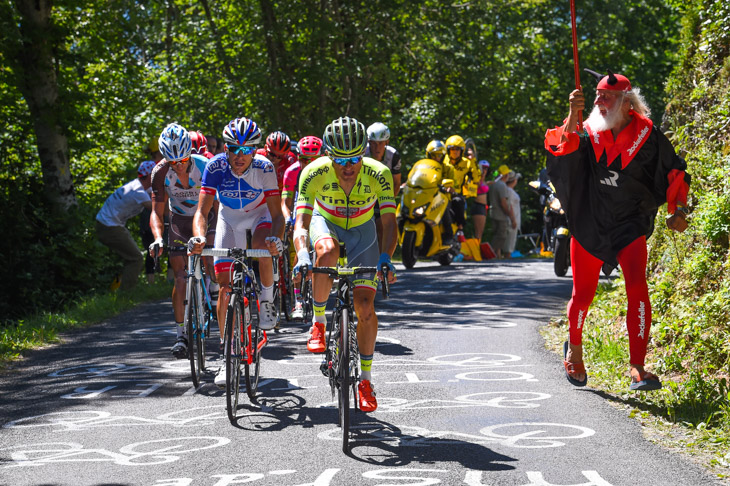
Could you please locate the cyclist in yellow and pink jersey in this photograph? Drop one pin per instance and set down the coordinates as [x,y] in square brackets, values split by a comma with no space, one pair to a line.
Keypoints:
[337,194]
[310,148]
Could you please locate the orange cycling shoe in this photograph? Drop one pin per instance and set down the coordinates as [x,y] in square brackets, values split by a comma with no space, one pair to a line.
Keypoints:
[367,402]
[316,342]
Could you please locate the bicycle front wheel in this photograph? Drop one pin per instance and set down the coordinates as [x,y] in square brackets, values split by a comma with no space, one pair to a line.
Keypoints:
[343,391]
[252,371]
[193,326]
[233,353]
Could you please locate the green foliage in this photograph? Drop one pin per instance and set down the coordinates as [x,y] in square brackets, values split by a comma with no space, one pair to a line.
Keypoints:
[42,328]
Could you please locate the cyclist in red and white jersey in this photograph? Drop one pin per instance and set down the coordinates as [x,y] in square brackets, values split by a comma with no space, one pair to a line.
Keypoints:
[278,150]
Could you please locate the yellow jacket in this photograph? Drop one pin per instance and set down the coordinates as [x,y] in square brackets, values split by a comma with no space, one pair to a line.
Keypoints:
[466,176]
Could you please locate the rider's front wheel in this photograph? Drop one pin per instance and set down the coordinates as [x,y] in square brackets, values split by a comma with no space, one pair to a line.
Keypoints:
[193,327]
[233,353]
[561,257]
[408,249]
[253,336]
[343,371]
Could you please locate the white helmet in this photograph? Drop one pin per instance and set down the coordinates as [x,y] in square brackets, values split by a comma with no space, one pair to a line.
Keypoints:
[378,132]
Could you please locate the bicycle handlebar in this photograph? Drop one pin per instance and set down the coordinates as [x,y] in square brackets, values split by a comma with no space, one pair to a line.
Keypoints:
[386,286]
[236,253]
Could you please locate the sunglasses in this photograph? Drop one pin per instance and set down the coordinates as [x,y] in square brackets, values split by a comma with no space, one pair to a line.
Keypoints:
[454,147]
[240,149]
[276,156]
[345,160]
[181,161]
[308,158]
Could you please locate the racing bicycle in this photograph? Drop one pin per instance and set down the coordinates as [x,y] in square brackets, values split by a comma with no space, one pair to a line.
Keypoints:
[341,362]
[244,339]
[198,315]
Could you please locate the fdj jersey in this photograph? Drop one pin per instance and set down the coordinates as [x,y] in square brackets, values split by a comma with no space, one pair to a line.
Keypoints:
[319,187]
[246,192]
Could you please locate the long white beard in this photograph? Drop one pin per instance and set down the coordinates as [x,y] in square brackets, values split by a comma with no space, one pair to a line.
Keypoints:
[599,123]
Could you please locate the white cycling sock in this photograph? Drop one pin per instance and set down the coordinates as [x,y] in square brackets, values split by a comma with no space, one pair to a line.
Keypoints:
[180,329]
[267,293]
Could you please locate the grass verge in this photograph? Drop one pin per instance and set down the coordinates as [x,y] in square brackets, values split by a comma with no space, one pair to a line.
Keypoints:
[38,330]
[691,414]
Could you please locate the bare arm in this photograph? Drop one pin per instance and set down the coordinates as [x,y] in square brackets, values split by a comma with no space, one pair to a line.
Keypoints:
[200,220]
[577,105]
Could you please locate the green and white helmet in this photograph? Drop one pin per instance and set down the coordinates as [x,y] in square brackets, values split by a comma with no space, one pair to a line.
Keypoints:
[345,137]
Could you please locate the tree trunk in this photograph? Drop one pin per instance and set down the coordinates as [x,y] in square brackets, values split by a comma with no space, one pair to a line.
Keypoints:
[38,83]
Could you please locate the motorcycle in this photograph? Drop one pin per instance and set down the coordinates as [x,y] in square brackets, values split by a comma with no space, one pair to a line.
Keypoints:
[424,202]
[555,237]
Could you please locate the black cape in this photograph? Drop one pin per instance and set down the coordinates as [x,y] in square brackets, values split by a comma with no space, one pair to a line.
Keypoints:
[609,207]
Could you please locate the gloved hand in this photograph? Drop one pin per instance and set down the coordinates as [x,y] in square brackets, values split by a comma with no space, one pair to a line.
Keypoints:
[156,247]
[196,244]
[303,259]
[385,259]
[276,243]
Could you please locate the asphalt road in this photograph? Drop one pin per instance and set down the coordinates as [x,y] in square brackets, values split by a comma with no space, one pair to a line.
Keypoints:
[467,395]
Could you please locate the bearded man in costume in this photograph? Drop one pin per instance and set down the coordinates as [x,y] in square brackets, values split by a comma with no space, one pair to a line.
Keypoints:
[611,180]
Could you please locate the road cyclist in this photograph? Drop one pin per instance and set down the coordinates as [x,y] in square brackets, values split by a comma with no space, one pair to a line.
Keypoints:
[340,363]
[309,148]
[337,194]
[249,200]
[277,150]
[378,148]
[176,183]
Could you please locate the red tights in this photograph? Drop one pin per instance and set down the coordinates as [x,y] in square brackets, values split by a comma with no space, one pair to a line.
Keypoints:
[586,270]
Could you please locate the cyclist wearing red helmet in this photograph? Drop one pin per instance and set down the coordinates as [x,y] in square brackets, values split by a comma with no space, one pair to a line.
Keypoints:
[200,144]
[309,148]
[278,150]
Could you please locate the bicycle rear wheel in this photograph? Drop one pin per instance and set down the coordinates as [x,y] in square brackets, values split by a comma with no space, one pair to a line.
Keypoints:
[286,288]
[193,326]
[343,391]
[252,371]
[233,353]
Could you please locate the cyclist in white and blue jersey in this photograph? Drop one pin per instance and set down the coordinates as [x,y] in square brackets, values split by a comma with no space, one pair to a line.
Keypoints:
[249,198]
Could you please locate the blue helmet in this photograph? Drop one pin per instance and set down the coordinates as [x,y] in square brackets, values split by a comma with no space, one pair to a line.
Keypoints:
[242,131]
[175,142]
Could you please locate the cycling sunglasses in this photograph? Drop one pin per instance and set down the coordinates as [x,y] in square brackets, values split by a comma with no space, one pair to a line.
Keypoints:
[181,161]
[240,149]
[345,160]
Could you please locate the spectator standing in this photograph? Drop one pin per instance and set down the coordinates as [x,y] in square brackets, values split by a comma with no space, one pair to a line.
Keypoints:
[513,199]
[503,219]
[126,202]
[479,207]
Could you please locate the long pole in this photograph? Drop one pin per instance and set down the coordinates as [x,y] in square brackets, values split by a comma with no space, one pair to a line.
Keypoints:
[576,67]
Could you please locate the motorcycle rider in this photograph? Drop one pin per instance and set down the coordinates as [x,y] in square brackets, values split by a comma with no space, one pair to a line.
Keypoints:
[466,177]
[436,151]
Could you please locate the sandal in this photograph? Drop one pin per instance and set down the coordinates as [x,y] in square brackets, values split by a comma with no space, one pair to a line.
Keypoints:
[573,369]
[648,382]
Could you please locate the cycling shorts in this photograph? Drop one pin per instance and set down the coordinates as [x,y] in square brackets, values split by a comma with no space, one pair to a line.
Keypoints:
[361,243]
[181,230]
[231,231]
